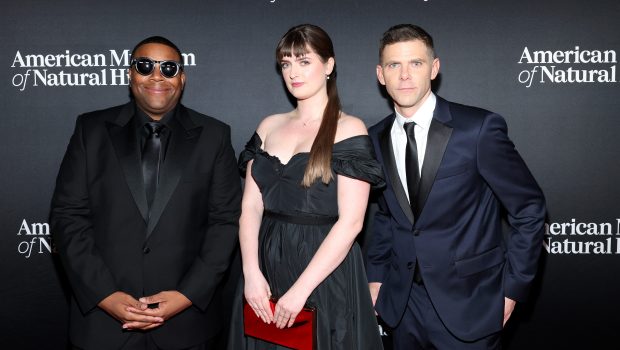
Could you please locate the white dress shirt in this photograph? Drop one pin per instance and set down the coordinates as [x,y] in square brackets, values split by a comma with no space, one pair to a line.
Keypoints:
[422,118]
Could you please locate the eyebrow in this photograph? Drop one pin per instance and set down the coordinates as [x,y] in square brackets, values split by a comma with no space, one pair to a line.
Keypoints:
[387,63]
[297,58]
[294,58]
[405,61]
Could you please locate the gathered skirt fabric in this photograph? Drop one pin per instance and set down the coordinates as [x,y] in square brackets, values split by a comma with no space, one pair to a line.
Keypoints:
[345,317]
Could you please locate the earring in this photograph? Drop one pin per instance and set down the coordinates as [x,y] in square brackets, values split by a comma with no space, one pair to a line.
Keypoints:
[327,76]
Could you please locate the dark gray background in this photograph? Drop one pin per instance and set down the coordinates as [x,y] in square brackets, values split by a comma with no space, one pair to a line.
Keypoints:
[567,133]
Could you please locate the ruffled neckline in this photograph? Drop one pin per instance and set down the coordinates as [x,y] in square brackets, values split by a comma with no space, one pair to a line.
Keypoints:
[259,143]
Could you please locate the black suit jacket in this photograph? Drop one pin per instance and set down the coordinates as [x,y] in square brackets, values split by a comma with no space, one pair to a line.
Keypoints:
[107,242]
[471,173]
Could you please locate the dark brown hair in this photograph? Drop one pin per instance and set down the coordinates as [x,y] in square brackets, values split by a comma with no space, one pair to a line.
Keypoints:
[295,43]
[406,32]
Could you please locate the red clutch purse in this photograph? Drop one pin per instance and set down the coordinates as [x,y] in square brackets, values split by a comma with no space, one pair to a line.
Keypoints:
[301,335]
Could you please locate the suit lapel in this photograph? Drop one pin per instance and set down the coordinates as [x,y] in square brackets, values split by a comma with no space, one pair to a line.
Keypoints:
[123,138]
[387,152]
[438,136]
[182,141]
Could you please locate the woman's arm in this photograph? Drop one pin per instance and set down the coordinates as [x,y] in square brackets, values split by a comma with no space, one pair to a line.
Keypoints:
[256,288]
[352,202]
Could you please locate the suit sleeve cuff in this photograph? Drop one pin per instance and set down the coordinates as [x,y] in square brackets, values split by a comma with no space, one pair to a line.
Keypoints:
[376,273]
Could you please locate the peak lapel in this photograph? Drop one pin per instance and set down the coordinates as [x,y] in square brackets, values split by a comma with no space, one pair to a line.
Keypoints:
[437,141]
[126,146]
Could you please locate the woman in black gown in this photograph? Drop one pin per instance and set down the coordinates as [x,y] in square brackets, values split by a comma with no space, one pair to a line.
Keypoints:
[308,177]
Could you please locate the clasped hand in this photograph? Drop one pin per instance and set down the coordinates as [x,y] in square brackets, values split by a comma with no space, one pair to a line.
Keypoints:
[136,315]
[257,294]
[288,307]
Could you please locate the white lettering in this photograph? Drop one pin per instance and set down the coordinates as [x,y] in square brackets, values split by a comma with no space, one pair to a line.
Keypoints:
[569,56]
[24,228]
[189,59]
[18,59]
[119,76]
[43,243]
[122,60]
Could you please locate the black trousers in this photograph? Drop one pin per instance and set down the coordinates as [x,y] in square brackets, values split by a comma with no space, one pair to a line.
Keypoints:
[140,341]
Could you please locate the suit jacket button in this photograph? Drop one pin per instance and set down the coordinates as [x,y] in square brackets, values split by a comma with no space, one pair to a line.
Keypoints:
[416,233]
[146,250]
[410,265]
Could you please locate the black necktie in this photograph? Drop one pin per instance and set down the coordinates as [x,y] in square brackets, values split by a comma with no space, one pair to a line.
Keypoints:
[413,178]
[411,164]
[151,154]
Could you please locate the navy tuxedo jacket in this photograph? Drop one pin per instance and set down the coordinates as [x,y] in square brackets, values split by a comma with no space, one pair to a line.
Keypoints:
[107,242]
[471,173]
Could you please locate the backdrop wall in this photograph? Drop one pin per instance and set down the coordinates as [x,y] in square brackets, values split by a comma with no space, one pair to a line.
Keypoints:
[549,67]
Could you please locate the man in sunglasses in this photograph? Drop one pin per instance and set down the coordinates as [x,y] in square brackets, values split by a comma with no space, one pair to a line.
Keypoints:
[145,215]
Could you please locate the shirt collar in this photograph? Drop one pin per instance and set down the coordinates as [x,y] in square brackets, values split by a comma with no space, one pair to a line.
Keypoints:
[422,117]
[144,118]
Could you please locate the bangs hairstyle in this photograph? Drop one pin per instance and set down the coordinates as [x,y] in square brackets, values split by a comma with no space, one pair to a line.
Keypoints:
[297,42]
[293,45]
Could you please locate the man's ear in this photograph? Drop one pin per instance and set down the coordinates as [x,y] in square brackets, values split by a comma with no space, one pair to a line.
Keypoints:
[380,74]
[435,68]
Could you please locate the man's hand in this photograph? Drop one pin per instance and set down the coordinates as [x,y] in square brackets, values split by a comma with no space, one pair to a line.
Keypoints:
[162,305]
[374,292]
[118,304]
[509,306]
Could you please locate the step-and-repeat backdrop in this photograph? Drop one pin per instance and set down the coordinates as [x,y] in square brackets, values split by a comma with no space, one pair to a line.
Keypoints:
[549,67]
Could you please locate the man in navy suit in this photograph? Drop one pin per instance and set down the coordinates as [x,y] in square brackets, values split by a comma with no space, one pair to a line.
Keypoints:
[145,215]
[440,271]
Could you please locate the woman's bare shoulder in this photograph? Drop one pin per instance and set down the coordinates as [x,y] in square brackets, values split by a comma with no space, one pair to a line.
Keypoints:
[271,123]
[349,126]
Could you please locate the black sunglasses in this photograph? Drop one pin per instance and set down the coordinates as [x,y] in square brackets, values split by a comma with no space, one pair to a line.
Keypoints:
[145,66]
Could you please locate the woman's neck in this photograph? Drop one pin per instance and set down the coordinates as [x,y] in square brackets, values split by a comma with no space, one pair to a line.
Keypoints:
[312,108]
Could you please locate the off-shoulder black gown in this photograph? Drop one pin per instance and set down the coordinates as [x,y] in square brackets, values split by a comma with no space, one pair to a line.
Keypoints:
[297,220]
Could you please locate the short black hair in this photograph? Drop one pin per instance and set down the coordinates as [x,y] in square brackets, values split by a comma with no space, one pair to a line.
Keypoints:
[406,32]
[157,40]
